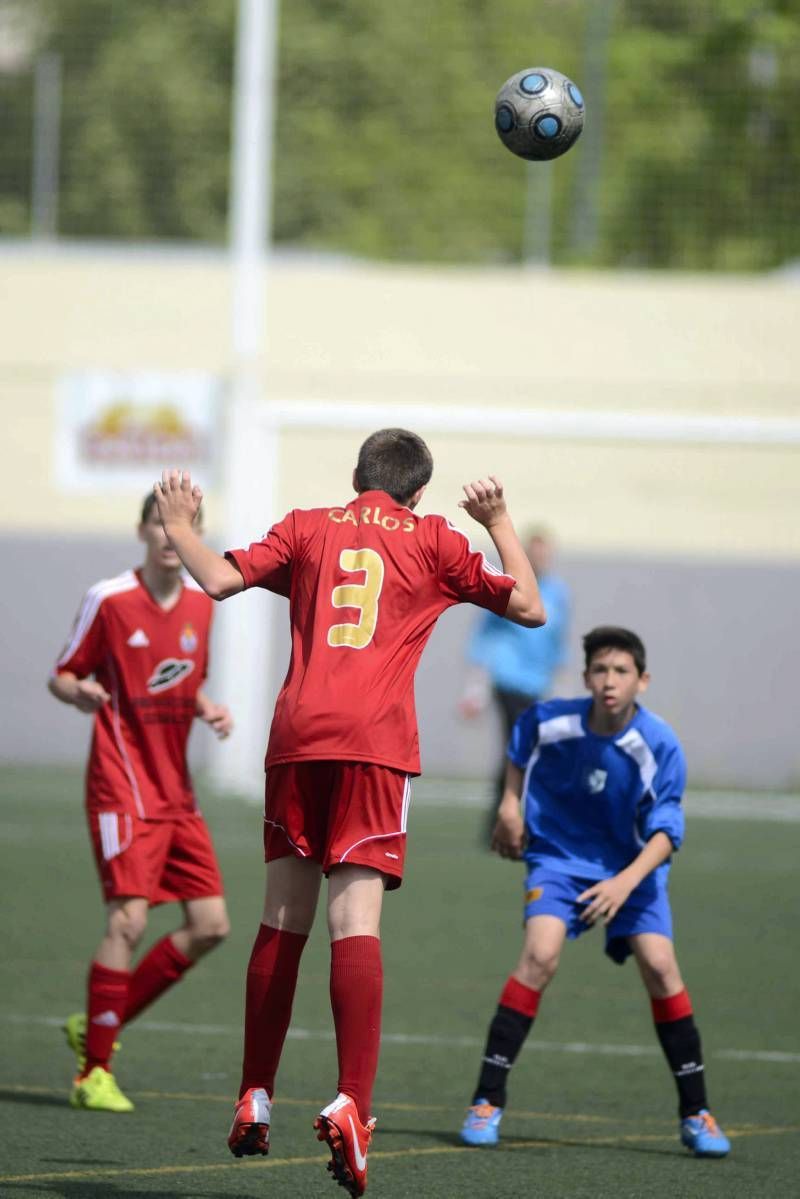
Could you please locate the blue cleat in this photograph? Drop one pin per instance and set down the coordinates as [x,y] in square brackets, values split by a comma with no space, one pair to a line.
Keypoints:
[703,1136]
[482,1125]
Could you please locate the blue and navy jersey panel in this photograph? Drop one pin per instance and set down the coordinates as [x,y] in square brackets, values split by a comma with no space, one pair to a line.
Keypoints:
[592,802]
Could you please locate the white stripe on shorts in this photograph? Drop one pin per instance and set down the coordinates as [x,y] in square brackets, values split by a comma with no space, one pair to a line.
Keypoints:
[383,836]
[109,834]
[406,804]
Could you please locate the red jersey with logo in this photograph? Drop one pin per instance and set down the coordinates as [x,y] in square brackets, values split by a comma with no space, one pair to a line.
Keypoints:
[152,662]
[366,583]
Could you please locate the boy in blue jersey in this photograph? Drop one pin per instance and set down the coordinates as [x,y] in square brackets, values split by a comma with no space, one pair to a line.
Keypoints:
[601,779]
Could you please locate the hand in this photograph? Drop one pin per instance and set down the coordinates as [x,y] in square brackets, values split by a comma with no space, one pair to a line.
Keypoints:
[218,717]
[470,708]
[177,500]
[476,694]
[484,502]
[604,899]
[90,695]
[508,838]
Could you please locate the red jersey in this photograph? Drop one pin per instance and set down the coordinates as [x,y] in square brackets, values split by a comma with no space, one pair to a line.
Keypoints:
[366,583]
[152,662]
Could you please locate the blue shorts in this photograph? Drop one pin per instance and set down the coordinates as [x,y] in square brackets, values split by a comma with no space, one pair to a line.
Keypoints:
[646,910]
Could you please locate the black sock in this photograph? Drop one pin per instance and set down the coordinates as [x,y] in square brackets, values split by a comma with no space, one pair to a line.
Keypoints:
[507,1032]
[680,1041]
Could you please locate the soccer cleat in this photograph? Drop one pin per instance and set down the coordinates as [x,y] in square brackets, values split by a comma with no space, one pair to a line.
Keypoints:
[249,1132]
[74,1030]
[98,1092]
[348,1140]
[703,1135]
[482,1124]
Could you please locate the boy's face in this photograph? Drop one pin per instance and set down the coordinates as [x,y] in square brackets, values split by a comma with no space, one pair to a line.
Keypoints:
[159,551]
[614,681]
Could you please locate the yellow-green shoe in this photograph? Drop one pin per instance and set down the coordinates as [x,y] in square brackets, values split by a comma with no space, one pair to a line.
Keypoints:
[98,1092]
[74,1030]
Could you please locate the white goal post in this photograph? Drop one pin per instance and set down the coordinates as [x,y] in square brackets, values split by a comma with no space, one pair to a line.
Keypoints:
[243,653]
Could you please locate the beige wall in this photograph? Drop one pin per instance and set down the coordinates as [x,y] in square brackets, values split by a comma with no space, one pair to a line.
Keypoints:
[640,343]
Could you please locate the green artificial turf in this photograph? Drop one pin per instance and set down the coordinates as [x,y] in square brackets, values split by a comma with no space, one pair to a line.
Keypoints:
[592,1106]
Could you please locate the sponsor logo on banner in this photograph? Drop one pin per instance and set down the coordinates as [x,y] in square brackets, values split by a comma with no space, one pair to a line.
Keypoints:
[188,639]
[169,673]
[127,432]
[116,429]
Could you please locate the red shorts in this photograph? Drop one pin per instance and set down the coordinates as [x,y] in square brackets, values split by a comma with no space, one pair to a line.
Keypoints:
[161,860]
[338,812]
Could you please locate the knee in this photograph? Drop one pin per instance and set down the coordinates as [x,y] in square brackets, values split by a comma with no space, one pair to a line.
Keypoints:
[661,974]
[537,966]
[291,917]
[210,934]
[128,926]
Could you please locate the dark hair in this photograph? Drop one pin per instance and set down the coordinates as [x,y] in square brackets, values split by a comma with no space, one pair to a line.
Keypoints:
[148,503]
[395,461]
[147,507]
[609,636]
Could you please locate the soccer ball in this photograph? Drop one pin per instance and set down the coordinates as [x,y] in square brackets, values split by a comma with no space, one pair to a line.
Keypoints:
[538,113]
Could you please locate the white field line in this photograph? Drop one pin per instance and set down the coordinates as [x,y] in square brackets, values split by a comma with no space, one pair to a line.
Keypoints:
[597,1048]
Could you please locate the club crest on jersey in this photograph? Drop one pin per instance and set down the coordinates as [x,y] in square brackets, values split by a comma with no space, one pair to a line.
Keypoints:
[188,639]
[169,673]
[596,781]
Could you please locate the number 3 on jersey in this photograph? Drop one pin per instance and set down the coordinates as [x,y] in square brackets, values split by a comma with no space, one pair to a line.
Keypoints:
[363,596]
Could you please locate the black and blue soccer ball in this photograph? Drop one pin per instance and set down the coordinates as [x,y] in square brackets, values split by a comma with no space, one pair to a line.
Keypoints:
[538,113]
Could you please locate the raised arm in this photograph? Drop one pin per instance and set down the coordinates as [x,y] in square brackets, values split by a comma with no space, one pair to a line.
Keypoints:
[178,502]
[486,504]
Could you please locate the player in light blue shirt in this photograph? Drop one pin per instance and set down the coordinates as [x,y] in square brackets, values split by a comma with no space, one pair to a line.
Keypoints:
[593,804]
[514,666]
[521,664]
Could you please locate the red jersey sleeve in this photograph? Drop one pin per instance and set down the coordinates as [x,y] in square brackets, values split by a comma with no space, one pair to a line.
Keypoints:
[86,647]
[268,562]
[465,576]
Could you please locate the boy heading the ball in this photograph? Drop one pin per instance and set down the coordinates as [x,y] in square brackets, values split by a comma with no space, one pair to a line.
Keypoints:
[136,661]
[366,581]
[593,804]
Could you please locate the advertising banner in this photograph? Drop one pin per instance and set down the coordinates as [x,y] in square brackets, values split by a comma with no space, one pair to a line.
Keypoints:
[116,431]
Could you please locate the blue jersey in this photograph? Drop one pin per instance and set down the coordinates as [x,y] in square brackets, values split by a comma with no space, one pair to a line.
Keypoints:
[592,802]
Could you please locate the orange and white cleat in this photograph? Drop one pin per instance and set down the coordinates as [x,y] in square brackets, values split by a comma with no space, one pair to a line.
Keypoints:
[348,1140]
[249,1134]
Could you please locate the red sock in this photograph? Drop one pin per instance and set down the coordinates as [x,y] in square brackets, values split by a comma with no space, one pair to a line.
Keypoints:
[271,982]
[105,1008]
[522,999]
[356,997]
[674,1007]
[157,971]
